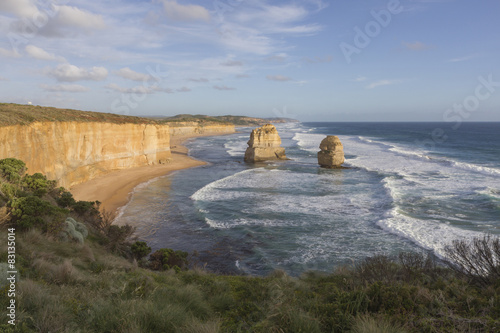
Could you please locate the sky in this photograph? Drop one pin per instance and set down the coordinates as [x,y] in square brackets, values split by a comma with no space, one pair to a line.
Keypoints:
[312,60]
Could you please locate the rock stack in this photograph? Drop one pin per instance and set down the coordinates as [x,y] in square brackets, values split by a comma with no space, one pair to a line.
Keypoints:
[332,152]
[264,145]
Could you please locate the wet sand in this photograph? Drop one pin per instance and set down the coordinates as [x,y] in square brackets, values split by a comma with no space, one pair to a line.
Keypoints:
[114,189]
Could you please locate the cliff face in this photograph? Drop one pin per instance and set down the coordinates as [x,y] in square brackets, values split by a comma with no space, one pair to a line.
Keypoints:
[74,152]
[264,144]
[190,128]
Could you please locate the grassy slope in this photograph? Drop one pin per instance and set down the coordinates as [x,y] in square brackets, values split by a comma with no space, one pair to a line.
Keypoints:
[67,287]
[13,114]
[73,287]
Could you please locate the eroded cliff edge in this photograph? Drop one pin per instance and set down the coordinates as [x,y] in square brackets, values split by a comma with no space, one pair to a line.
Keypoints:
[75,152]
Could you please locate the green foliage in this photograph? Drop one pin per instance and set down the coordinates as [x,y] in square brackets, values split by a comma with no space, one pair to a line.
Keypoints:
[83,207]
[38,184]
[64,198]
[13,114]
[31,211]
[8,191]
[12,169]
[140,250]
[165,259]
[118,235]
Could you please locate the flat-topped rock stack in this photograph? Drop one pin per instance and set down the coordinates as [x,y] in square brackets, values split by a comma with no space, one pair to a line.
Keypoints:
[332,152]
[264,145]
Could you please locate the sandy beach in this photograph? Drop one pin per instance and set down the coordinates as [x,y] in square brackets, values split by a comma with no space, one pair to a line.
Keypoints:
[114,189]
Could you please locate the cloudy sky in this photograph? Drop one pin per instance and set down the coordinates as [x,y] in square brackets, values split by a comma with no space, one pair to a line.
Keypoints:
[314,60]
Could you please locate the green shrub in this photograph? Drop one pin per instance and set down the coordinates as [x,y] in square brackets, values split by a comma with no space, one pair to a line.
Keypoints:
[64,198]
[8,191]
[28,212]
[73,230]
[118,235]
[82,207]
[140,250]
[12,169]
[165,259]
[38,183]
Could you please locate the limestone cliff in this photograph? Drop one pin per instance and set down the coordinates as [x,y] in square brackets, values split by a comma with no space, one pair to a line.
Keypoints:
[190,128]
[74,152]
[264,144]
[332,152]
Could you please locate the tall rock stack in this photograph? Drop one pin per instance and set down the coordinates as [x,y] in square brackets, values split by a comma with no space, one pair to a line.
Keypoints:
[332,152]
[264,145]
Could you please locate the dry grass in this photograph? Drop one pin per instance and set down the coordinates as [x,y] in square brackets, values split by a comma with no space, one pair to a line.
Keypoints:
[14,114]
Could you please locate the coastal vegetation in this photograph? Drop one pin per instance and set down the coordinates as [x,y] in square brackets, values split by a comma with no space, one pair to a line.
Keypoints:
[236,120]
[80,273]
[19,114]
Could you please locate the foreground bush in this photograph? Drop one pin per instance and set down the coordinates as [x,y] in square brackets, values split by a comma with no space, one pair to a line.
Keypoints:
[165,259]
[477,259]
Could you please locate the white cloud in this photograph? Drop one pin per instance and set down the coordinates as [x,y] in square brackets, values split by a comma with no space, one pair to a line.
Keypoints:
[232,63]
[41,54]
[200,80]
[139,89]
[242,76]
[224,88]
[280,57]
[4,78]
[359,79]
[129,74]
[382,83]
[416,46]
[64,88]
[22,8]
[278,19]
[280,78]
[9,53]
[76,17]
[178,12]
[71,73]
[276,14]
[318,60]
[183,89]
[460,59]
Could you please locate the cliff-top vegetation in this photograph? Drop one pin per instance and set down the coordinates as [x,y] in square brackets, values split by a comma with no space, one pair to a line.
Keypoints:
[20,114]
[80,273]
[236,120]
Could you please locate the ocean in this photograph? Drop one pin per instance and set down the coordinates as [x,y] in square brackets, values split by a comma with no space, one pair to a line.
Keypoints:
[407,187]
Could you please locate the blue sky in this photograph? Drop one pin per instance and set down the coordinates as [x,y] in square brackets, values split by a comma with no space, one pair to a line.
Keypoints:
[313,60]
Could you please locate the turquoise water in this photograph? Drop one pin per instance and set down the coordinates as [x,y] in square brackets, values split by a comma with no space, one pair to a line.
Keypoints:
[409,187]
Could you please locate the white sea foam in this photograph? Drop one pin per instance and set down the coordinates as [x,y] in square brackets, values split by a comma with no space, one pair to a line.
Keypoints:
[411,177]
[236,147]
[429,234]
[308,142]
[215,190]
